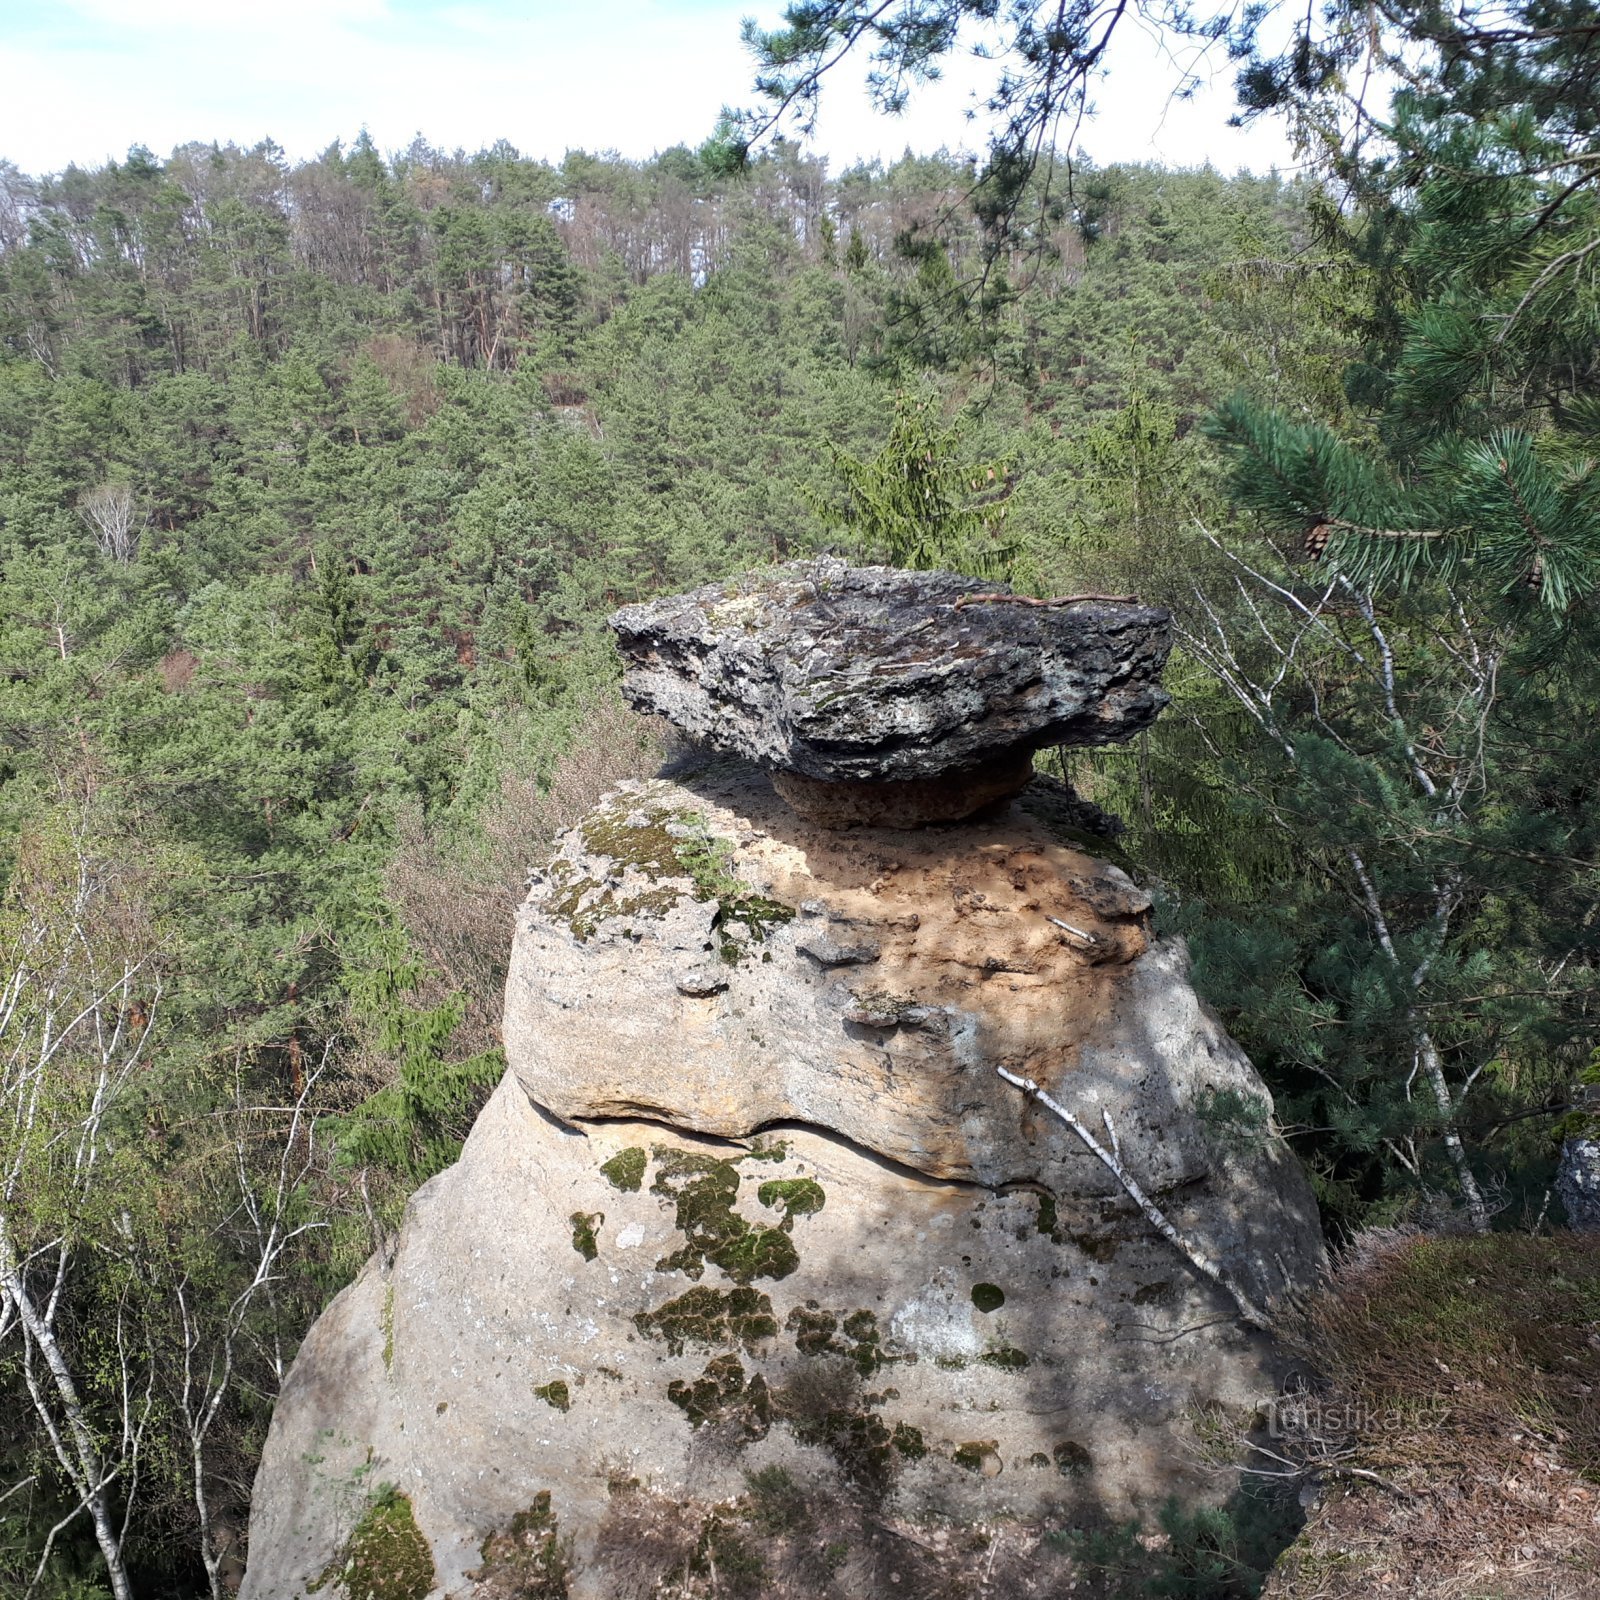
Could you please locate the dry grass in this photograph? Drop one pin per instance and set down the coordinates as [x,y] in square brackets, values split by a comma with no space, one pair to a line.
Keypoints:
[1460,1422]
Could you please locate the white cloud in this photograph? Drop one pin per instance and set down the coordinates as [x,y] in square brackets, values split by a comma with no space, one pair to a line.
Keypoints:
[96,76]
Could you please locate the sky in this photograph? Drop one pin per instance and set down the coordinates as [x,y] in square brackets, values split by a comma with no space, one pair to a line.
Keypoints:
[83,80]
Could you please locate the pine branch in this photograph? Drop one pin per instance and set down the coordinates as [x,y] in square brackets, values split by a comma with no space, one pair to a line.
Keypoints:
[1566,259]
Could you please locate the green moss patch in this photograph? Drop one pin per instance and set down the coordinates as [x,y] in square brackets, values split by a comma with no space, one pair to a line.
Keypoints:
[529,1560]
[724,1396]
[585,1225]
[711,1317]
[1006,1357]
[665,848]
[702,1190]
[799,1197]
[854,1335]
[909,1441]
[862,1444]
[988,1297]
[385,1557]
[555,1394]
[813,1330]
[625,1170]
[760,1150]
[977,1454]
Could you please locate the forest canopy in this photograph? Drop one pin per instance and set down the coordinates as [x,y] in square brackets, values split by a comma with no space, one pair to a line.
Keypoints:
[318,480]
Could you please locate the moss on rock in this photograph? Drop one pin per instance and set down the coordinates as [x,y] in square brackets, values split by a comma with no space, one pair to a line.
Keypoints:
[909,1442]
[978,1455]
[702,1190]
[1006,1357]
[799,1197]
[724,1396]
[555,1394]
[819,1332]
[529,1560]
[385,1557]
[711,1317]
[585,1225]
[662,848]
[625,1170]
[988,1297]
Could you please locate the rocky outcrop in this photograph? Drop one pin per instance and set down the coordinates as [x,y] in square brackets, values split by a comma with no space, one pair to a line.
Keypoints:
[930,689]
[752,1206]
[1578,1183]
[572,1309]
[752,1196]
[696,954]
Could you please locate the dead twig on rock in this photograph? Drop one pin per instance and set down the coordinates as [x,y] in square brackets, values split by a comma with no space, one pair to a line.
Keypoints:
[1110,1156]
[1029,600]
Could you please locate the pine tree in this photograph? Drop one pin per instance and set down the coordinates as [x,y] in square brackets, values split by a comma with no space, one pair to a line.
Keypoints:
[1417,646]
[1479,466]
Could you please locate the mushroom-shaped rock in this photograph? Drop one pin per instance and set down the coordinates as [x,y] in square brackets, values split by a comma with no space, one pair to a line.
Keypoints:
[880,697]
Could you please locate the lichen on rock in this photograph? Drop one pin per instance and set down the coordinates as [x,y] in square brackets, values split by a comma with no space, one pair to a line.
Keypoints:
[640,863]
[887,698]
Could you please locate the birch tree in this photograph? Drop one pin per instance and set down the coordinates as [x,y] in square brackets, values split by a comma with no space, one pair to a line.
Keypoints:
[81,987]
[237,1336]
[110,513]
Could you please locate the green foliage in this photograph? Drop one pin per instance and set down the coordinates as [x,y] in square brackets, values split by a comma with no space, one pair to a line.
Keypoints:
[1204,1553]
[917,503]
[413,1127]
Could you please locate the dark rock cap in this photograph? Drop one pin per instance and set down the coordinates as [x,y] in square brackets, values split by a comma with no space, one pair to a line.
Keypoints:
[851,675]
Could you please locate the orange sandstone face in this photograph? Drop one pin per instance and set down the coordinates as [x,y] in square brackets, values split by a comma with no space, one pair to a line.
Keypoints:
[866,980]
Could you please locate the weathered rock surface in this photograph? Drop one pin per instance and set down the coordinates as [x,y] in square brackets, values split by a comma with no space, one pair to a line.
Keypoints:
[847,675]
[753,1196]
[942,1349]
[872,983]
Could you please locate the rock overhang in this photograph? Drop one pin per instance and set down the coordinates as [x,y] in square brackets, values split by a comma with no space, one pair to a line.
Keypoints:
[934,686]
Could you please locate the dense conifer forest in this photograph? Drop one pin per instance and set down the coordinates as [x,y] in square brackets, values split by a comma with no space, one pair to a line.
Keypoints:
[318,481]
